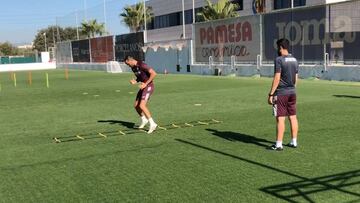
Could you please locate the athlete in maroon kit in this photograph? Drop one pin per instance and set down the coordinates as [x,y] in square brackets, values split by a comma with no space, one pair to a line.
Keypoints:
[145,76]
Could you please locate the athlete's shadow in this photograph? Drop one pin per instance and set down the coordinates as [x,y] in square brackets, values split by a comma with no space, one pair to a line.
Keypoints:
[347,96]
[233,136]
[116,122]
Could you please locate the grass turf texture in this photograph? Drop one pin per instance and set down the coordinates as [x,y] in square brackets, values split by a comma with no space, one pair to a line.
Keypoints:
[225,162]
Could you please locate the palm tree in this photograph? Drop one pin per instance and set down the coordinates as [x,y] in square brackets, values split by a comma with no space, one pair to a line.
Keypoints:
[133,16]
[220,10]
[92,28]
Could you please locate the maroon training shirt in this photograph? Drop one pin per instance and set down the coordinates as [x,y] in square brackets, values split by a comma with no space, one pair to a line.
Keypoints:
[141,71]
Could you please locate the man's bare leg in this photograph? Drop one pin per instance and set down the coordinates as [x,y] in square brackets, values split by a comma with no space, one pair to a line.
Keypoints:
[145,110]
[144,120]
[294,130]
[280,129]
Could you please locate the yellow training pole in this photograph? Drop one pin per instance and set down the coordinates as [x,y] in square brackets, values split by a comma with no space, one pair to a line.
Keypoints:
[47,80]
[14,79]
[66,73]
[30,78]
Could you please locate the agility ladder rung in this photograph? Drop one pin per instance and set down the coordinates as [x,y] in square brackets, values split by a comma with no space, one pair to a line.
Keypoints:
[187,124]
[102,135]
[216,121]
[81,138]
[162,128]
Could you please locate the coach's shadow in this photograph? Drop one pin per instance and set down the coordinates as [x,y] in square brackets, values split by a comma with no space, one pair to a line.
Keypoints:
[233,136]
[116,122]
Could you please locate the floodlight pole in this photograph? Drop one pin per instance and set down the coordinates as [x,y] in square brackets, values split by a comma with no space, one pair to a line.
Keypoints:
[53,33]
[85,9]
[193,2]
[105,19]
[292,3]
[183,18]
[58,30]
[77,26]
[145,23]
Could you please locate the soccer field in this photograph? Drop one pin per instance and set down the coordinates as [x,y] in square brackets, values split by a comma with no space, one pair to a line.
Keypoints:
[219,162]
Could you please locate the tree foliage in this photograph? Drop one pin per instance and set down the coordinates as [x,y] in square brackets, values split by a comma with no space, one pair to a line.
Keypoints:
[220,10]
[133,16]
[7,49]
[54,34]
[92,28]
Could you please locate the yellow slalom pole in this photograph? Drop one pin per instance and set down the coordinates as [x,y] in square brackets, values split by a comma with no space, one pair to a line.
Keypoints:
[30,78]
[14,79]
[66,73]
[47,80]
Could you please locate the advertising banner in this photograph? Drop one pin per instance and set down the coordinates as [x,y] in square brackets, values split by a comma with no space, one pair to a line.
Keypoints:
[102,49]
[304,28]
[81,50]
[129,44]
[221,39]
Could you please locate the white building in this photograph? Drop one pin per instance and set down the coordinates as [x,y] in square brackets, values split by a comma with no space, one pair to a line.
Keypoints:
[26,46]
[167,23]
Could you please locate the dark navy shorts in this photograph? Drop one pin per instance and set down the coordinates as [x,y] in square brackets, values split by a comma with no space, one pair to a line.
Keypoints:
[284,105]
[145,93]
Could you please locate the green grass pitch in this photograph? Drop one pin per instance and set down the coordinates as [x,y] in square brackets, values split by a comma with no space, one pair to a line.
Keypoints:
[225,162]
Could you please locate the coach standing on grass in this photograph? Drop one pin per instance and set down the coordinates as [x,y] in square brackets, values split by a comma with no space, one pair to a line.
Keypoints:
[283,94]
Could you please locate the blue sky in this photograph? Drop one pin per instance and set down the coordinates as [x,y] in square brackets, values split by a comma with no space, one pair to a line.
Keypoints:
[21,19]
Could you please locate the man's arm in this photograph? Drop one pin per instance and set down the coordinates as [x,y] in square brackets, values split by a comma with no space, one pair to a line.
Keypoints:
[296,79]
[274,86]
[133,81]
[151,78]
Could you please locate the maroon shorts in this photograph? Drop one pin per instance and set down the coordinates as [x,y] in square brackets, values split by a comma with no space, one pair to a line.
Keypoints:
[284,105]
[145,93]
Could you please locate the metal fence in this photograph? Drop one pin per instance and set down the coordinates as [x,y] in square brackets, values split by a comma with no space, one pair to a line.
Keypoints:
[106,12]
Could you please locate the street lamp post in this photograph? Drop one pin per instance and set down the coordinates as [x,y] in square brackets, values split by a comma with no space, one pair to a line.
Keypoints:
[45,42]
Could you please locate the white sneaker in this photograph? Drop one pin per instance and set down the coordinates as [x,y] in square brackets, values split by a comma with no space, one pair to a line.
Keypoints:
[152,128]
[143,124]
